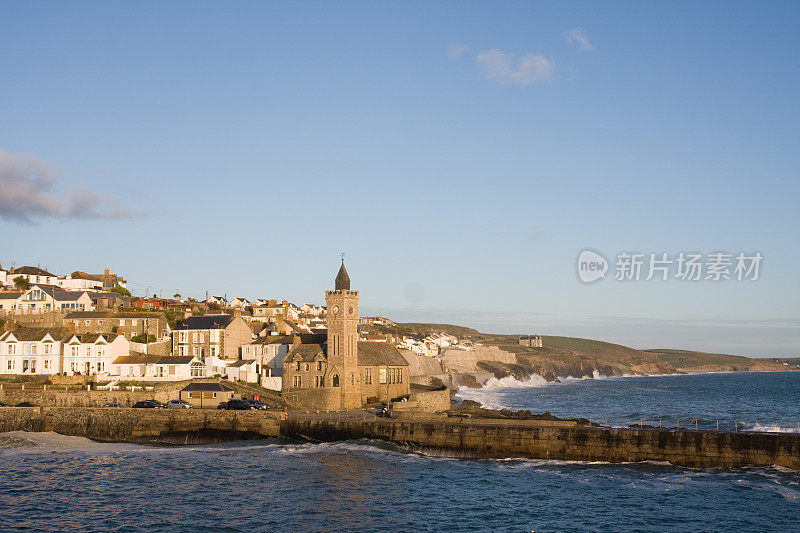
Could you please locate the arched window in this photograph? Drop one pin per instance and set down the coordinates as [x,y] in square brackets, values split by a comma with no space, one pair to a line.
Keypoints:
[336,380]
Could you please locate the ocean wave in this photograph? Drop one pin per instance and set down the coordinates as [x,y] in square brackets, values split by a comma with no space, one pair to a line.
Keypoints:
[773,429]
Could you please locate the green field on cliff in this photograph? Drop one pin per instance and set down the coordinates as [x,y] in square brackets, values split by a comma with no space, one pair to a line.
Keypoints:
[573,354]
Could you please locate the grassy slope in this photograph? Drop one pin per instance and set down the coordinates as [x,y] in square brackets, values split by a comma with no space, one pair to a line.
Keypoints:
[571,355]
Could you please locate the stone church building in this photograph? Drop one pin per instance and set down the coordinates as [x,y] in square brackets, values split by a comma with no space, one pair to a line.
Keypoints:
[337,371]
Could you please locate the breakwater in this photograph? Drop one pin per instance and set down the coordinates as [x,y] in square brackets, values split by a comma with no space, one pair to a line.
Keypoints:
[461,438]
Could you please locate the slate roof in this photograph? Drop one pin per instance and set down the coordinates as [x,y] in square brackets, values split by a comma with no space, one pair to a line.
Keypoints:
[87,314]
[369,354]
[273,339]
[379,354]
[90,338]
[34,334]
[32,271]
[10,295]
[215,387]
[241,362]
[306,352]
[144,359]
[205,322]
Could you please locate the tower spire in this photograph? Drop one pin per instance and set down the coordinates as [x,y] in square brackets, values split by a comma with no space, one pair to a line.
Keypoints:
[342,279]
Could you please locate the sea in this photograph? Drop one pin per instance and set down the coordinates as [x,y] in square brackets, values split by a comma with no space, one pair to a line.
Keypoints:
[51,482]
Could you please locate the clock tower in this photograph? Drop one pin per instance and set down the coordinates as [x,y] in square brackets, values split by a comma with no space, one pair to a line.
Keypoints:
[342,349]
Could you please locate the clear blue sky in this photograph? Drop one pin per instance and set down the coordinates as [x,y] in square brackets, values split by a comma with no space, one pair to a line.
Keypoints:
[461,153]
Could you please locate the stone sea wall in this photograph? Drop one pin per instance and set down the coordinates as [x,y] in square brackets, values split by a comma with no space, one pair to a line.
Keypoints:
[541,439]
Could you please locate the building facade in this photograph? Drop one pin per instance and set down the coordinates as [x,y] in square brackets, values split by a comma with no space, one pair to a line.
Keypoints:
[341,372]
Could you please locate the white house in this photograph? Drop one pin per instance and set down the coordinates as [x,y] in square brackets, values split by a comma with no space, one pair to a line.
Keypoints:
[158,367]
[219,300]
[34,275]
[44,299]
[92,353]
[239,303]
[31,351]
[269,353]
[80,281]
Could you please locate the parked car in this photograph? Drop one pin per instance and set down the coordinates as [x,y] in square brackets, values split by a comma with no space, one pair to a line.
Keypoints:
[149,404]
[178,404]
[222,405]
[261,406]
[113,404]
[237,404]
[3,405]
[26,404]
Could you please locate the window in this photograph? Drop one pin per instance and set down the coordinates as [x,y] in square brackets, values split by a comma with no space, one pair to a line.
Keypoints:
[24,365]
[190,395]
[133,322]
[48,348]
[87,322]
[12,349]
[182,336]
[88,351]
[159,371]
[198,370]
[336,380]
[46,364]
[33,366]
[214,395]
[194,337]
[100,366]
[308,367]
[10,366]
[319,366]
[196,351]
[214,335]
[33,349]
[202,337]
[368,376]
[298,366]
[26,349]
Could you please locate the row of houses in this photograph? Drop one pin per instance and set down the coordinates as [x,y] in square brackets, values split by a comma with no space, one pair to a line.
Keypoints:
[76,281]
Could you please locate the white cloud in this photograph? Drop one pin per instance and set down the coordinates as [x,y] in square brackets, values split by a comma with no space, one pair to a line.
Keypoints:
[28,192]
[502,67]
[578,36]
[455,50]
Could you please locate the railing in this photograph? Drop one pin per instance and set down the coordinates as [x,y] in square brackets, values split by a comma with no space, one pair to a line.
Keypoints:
[725,425]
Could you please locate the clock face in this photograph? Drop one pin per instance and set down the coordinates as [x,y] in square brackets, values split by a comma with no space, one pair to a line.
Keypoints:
[350,310]
[335,309]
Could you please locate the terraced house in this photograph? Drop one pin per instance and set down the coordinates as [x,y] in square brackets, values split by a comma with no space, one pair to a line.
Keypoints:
[31,351]
[92,353]
[126,323]
[205,336]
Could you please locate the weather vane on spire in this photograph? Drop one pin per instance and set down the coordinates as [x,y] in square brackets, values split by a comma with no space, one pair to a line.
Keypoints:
[342,257]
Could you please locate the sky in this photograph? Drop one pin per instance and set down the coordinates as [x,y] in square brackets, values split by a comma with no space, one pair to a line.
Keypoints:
[461,154]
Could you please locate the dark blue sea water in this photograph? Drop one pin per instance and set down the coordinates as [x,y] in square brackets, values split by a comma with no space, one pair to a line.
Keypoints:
[57,483]
[760,401]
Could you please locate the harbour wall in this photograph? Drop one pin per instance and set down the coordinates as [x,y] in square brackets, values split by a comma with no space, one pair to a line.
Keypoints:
[564,440]
[469,438]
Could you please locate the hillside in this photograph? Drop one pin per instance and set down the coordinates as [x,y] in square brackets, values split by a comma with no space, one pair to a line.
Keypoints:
[693,361]
[570,356]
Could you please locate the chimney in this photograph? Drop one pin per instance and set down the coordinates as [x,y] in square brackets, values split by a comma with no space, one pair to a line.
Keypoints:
[237,312]
[187,313]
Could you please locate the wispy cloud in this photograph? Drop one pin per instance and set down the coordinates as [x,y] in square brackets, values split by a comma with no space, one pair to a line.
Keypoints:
[578,36]
[503,67]
[29,193]
[456,50]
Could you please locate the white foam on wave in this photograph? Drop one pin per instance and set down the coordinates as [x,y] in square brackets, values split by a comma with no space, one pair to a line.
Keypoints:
[488,395]
[774,429]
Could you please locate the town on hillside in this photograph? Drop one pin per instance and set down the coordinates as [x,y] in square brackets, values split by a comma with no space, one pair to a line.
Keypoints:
[88,329]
